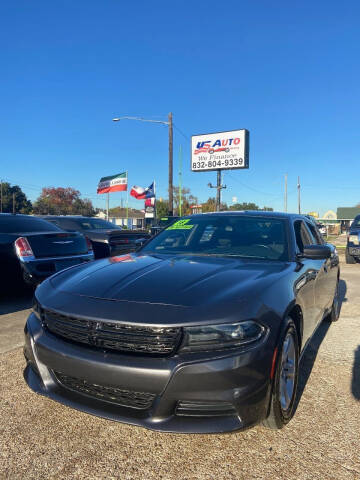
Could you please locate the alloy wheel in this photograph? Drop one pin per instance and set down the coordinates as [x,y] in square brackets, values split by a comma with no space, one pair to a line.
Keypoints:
[287,372]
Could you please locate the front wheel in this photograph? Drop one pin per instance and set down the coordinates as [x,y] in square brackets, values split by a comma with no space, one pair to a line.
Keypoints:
[283,396]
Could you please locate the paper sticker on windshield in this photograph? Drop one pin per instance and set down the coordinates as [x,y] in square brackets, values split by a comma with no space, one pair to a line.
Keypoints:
[181,225]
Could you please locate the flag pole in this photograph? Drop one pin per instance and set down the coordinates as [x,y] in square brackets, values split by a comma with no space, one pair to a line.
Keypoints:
[127,200]
[154,200]
[107,207]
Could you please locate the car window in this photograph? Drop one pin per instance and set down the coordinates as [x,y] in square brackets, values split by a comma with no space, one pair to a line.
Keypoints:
[24,224]
[224,235]
[95,224]
[303,235]
[315,234]
[356,222]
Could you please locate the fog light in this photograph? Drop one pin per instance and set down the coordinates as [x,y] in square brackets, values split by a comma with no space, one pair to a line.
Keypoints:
[204,409]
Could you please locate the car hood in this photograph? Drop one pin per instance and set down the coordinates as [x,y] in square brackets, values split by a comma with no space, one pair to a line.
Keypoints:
[163,290]
[180,280]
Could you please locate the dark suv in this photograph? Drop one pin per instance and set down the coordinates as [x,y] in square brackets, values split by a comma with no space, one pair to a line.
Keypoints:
[352,252]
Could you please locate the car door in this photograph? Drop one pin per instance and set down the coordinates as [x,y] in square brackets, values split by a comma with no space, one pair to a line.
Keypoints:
[328,281]
[323,279]
[310,276]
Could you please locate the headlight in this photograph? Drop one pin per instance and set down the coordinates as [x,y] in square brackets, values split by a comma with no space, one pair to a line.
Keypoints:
[354,239]
[36,308]
[218,337]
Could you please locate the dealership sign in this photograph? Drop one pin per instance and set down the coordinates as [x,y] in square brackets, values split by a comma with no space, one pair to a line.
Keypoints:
[220,151]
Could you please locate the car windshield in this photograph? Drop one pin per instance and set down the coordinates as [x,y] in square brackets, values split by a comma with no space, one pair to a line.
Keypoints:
[224,235]
[96,224]
[23,224]
[166,221]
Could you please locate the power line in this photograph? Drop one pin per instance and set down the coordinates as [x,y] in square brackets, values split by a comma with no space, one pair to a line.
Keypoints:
[181,132]
[276,195]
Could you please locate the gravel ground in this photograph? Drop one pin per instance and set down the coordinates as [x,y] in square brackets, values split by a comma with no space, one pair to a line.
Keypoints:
[42,439]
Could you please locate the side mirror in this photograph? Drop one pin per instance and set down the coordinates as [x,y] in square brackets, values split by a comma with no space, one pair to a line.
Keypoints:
[317,252]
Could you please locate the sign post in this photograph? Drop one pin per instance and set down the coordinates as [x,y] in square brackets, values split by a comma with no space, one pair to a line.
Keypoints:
[220,151]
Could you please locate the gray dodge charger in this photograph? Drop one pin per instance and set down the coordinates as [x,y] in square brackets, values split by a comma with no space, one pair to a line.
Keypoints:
[198,331]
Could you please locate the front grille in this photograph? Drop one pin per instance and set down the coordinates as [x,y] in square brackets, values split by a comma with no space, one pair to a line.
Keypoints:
[119,396]
[113,336]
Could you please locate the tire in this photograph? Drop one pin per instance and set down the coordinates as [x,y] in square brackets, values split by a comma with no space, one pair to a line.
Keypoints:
[335,308]
[349,258]
[282,405]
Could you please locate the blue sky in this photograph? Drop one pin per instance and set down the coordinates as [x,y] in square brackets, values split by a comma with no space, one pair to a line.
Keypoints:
[287,71]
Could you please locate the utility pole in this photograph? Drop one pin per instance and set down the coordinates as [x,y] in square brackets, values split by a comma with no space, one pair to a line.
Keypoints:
[169,123]
[180,181]
[14,202]
[218,187]
[285,194]
[298,187]
[171,202]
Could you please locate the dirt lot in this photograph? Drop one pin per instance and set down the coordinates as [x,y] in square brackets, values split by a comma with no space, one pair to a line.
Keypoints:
[42,439]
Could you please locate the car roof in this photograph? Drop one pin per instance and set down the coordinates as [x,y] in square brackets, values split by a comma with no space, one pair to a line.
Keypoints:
[71,217]
[256,213]
[20,215]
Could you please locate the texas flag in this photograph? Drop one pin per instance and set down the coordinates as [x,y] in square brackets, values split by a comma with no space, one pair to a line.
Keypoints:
[141,193]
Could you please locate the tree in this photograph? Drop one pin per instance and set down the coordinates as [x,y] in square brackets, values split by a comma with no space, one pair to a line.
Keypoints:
[210,205]
[187,199]
[62,201]
[162,208]
[22,204]
[249,206]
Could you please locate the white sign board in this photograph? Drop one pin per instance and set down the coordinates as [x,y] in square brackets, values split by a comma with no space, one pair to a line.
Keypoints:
[220,151]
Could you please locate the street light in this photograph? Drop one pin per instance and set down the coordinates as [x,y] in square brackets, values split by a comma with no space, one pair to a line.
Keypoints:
[169,123]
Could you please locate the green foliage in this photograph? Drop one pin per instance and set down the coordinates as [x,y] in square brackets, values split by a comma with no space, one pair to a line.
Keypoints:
[22,204]
[210,205]
[187,199]
[62,201]
[162,208]
[249,206]
[120,212]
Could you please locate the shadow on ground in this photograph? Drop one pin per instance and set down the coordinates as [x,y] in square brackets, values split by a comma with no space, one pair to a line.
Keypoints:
[15,299]
[309,356]
[355,382]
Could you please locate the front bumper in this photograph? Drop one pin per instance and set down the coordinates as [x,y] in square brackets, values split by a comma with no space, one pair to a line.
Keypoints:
[218,393]
[37,270]
[354,250]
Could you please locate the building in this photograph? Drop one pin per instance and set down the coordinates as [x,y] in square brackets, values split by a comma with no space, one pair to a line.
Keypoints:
[346,215]
[132,219]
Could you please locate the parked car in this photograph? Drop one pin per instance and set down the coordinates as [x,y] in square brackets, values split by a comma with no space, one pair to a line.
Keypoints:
[352,252]
[201,330]
[107,239]
[322,229]
[32,249]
